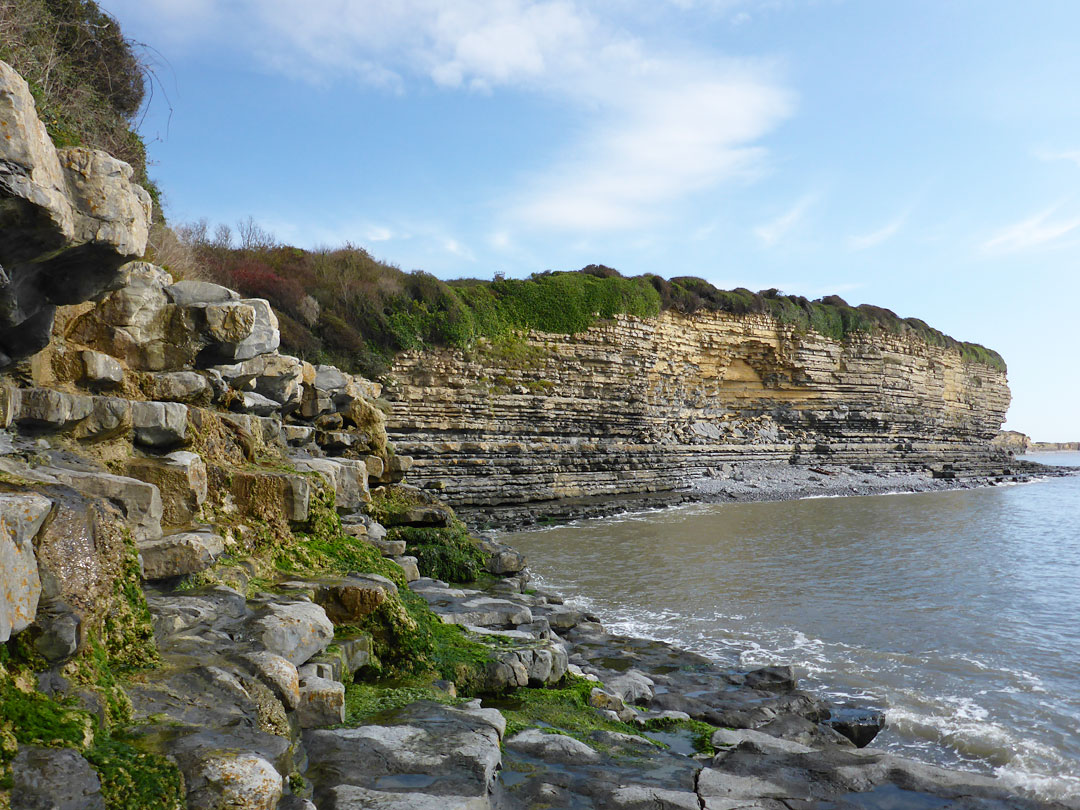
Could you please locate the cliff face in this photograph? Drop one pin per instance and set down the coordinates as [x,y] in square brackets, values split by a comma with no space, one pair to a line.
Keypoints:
[640,405]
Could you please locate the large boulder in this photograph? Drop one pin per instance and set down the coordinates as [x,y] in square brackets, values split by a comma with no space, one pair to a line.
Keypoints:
[68,221]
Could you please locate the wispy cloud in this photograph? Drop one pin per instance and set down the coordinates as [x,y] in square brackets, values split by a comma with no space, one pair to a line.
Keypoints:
[771,232]
[1035,231]
[876,237]
[679,128]
[655,126]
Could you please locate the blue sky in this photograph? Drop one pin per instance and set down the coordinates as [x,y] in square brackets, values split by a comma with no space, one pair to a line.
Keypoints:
[923,156]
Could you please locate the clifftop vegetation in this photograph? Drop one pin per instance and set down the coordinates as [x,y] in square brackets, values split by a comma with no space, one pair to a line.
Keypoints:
[345,307]
[87,80]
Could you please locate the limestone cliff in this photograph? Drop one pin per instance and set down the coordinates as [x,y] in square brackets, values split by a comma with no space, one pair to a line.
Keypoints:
[646,404]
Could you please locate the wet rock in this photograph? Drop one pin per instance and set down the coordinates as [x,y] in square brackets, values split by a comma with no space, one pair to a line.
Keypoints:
[101,370]
[181,481]
[803,731]
[322,702]
[294,630]
[159,424]
[59,630]
[139,501]
[725,739]
[179,554]
[54,779]
[21,517]
[771,679]
[845,778]
[632,686]
[860,725]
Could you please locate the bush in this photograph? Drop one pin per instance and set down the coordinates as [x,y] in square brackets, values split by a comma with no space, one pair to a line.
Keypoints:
[88,82]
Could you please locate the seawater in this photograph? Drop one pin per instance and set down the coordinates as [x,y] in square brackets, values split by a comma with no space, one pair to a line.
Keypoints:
[958,612]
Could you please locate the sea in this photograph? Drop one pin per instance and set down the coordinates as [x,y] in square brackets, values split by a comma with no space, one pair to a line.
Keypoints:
[958,612]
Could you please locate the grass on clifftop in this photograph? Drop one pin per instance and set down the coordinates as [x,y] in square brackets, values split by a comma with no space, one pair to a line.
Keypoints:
[348,308]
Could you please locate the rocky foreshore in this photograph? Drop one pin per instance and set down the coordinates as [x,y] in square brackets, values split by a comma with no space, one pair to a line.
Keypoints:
[219,592]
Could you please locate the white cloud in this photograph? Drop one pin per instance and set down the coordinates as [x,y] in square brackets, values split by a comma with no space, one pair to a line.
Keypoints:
[1035,231]
[773,231]
[656,126]
[677,130]
[875,238]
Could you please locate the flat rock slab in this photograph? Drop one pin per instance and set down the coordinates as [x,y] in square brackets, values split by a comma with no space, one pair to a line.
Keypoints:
[425,748]
[200,696]
[458,606]
[349,797]
[607,770]
[843,779]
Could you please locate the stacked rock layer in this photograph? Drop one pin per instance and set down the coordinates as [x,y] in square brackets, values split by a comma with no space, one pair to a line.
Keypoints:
[638,405]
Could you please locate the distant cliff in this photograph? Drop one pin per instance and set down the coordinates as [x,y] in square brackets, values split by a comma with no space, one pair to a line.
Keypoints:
[644,404]
[1017,442]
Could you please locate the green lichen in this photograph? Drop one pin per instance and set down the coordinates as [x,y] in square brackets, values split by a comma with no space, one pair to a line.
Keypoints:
[565,709]
[389,503]
[135,780]
[701,731]
[128,631]
[448,554]
[369,703]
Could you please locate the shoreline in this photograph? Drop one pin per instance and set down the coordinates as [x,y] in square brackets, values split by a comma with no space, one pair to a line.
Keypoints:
[805,731]
[752,482]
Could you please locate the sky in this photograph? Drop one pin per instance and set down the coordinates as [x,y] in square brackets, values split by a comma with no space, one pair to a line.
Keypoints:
[922,156]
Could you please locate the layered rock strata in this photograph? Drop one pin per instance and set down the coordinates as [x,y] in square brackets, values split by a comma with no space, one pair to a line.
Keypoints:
[644,405]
